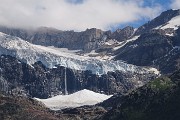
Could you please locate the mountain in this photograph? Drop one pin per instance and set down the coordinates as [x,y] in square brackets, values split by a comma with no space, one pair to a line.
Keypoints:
[39,71]
[150,44]
[164,19]
[45,62]
[145,49]
[91,39]
[157,100]
[157,44]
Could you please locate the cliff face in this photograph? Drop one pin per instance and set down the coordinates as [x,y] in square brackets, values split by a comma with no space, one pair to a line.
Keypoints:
[39,81]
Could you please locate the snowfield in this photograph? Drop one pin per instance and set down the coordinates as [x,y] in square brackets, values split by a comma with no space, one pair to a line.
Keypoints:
[50,57]
[80,98]
[173,23]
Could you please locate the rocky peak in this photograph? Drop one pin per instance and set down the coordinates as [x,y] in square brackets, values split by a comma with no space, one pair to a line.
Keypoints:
[123,34]
[118,30]
[94,31]
[47,30]
[92,36]
[163,18]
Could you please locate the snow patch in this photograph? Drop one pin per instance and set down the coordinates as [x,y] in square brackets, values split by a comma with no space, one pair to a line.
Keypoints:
[173,23]
[155,71]
[80,98]
[176,47]
[133,46]
[125,42]
[170,34]
[111,42]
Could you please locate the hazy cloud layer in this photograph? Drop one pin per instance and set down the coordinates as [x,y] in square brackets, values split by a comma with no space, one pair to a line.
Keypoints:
[175,4]
[73,14]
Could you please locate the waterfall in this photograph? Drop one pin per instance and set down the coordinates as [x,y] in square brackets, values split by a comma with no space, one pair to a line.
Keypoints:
[65,83]
[3,85]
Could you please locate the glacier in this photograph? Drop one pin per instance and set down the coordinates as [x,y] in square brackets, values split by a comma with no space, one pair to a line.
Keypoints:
[50,57]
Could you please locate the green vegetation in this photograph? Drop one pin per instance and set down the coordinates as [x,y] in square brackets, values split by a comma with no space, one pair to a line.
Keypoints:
[161,84]
[132,114]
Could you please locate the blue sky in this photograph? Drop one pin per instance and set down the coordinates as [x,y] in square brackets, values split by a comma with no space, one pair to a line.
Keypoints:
[165,5]
[79,15]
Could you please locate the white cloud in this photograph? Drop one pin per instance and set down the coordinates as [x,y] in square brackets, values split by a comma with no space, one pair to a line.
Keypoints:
[71,14]
[175,4]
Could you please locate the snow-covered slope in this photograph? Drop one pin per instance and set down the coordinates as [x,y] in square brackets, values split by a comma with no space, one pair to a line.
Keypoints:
[173,23]
[127,41]
[80,98]
[50,57]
